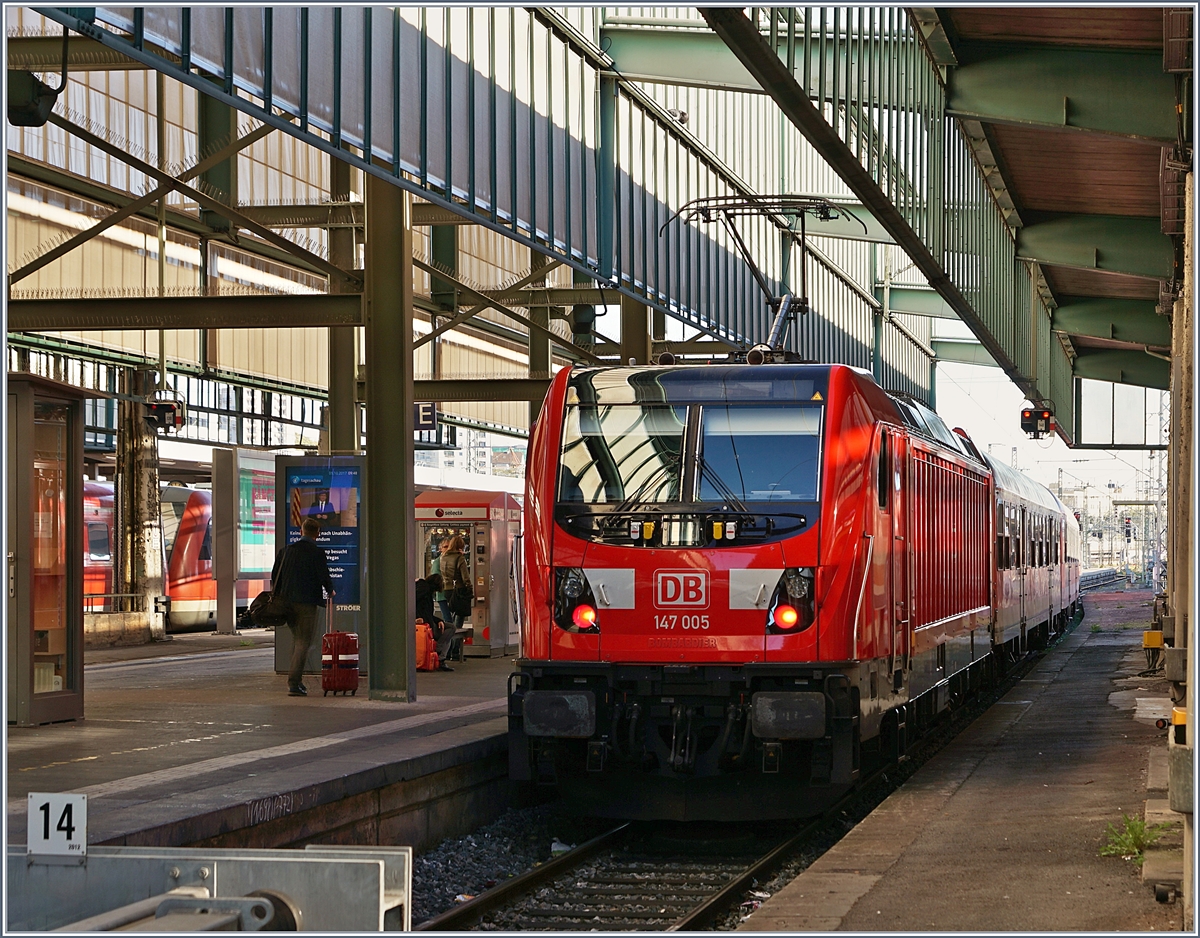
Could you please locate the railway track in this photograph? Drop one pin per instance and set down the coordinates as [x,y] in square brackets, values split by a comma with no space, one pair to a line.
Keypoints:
[646,878]
[630,878]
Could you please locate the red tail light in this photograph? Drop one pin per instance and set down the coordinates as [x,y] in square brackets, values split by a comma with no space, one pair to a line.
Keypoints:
[786,617]
[584,617]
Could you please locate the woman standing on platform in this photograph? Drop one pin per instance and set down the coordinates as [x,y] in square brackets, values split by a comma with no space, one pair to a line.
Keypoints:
[456,574]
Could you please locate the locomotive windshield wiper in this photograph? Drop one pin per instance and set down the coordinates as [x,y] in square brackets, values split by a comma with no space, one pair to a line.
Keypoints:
[720,485]
[670,464]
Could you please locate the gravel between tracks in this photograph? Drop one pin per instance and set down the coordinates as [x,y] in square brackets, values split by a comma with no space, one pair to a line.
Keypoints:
[518,840]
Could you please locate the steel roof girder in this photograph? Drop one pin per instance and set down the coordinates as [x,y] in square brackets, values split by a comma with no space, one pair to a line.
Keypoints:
[1123,320]
[914,301]
[693,57]
[962,351]
[1118,244]
[273,310]
[1123,367]
[1106,91]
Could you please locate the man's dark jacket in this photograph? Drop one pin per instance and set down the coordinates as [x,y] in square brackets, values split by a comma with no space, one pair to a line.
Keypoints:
[303,575]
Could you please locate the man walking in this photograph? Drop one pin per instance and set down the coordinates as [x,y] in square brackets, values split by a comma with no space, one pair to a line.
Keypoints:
[297,578]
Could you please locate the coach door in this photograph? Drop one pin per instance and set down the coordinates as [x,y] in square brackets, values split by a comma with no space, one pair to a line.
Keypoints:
[877,549]
[1023,570]
[901,598]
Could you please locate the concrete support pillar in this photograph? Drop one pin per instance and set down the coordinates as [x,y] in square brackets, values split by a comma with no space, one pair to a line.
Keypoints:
[342,413]
[391,533]
[140,560]
[539,345]
[635,333]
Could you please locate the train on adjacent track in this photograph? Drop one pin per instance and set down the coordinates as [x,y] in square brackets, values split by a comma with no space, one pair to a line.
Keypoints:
[744,585]
[186,519]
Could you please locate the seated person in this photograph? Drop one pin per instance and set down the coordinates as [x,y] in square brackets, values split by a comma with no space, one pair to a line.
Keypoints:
[443,632]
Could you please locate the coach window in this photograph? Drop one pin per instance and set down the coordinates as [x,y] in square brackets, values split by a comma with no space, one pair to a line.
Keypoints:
[98,546]
[884,477]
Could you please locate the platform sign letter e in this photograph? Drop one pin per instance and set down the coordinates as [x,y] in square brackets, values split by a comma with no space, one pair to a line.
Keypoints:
[57,824]
[681,588]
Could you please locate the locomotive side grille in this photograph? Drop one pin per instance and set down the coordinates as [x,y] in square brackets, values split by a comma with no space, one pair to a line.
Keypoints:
[949,515]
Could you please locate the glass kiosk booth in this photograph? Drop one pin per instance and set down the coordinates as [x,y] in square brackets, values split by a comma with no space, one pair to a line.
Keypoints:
[44,508]
[487,523]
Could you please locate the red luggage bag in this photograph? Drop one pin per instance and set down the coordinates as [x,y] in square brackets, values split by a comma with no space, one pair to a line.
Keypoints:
[339,658]
[427,657]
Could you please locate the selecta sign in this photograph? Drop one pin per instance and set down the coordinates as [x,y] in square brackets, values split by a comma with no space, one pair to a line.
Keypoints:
[686,589]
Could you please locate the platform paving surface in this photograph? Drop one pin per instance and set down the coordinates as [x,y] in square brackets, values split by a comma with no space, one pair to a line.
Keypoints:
[203,720]
[1001,831]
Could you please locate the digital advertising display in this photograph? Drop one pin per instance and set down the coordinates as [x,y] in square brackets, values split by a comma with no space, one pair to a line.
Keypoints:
[332,495]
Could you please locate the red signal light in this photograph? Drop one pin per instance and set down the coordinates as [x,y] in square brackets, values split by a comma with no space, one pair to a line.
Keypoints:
[584,617]
[786,617]
[1045,415]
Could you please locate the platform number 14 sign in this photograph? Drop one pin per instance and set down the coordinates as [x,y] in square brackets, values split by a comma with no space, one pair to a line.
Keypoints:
[57,824]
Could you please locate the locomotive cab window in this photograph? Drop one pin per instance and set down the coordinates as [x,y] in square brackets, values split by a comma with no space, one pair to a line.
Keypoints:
[622,452]
[759,454]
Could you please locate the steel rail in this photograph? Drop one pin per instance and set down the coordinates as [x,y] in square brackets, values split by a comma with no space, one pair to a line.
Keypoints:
[703,915]
[464,915]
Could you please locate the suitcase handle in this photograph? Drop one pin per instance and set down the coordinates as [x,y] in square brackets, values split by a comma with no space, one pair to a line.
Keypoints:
[329,614]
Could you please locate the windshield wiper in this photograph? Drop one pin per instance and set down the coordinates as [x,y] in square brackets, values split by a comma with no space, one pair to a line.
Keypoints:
[720,485]
[630,500]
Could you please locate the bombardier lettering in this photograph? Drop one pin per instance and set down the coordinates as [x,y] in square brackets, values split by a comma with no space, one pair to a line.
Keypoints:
[683,641]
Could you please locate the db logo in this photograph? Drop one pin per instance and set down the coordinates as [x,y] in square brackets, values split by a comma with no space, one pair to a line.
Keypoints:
[681,588]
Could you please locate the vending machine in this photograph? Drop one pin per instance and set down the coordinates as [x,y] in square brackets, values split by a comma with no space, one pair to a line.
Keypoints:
[487,522]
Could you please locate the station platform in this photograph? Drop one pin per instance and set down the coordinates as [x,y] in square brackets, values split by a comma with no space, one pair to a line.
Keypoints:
[1001,831]
[194,741]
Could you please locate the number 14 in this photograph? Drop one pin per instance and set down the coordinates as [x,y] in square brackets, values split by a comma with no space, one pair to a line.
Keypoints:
[65,821]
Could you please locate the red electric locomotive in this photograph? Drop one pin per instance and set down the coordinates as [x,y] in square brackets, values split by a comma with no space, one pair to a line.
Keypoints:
[744,583]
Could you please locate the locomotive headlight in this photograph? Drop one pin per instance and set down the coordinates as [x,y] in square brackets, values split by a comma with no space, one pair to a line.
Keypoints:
[799,582]
[574,604]
[572,584]
[792,608]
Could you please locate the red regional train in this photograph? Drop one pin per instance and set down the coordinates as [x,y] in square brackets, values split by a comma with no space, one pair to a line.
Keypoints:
[746,584]
[186,516]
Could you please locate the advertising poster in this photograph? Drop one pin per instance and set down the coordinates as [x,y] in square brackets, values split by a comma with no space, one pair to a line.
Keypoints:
[256,514]
[332,495]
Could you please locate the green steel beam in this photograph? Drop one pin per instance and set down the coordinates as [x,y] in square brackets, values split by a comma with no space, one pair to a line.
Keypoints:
[1112,243]
[481,389]
[320,215]
[44,54]
[269,311]
[1134,321]
[748,44]
[694,57]
[392,553]
[1107,91]
[964,351]
[914,301]
[1123,367]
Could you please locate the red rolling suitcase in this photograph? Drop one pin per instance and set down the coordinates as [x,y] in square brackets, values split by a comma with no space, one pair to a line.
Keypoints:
[427,657]
[339,658]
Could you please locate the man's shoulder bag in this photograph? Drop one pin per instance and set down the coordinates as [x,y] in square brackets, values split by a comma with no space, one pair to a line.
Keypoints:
[267,610]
